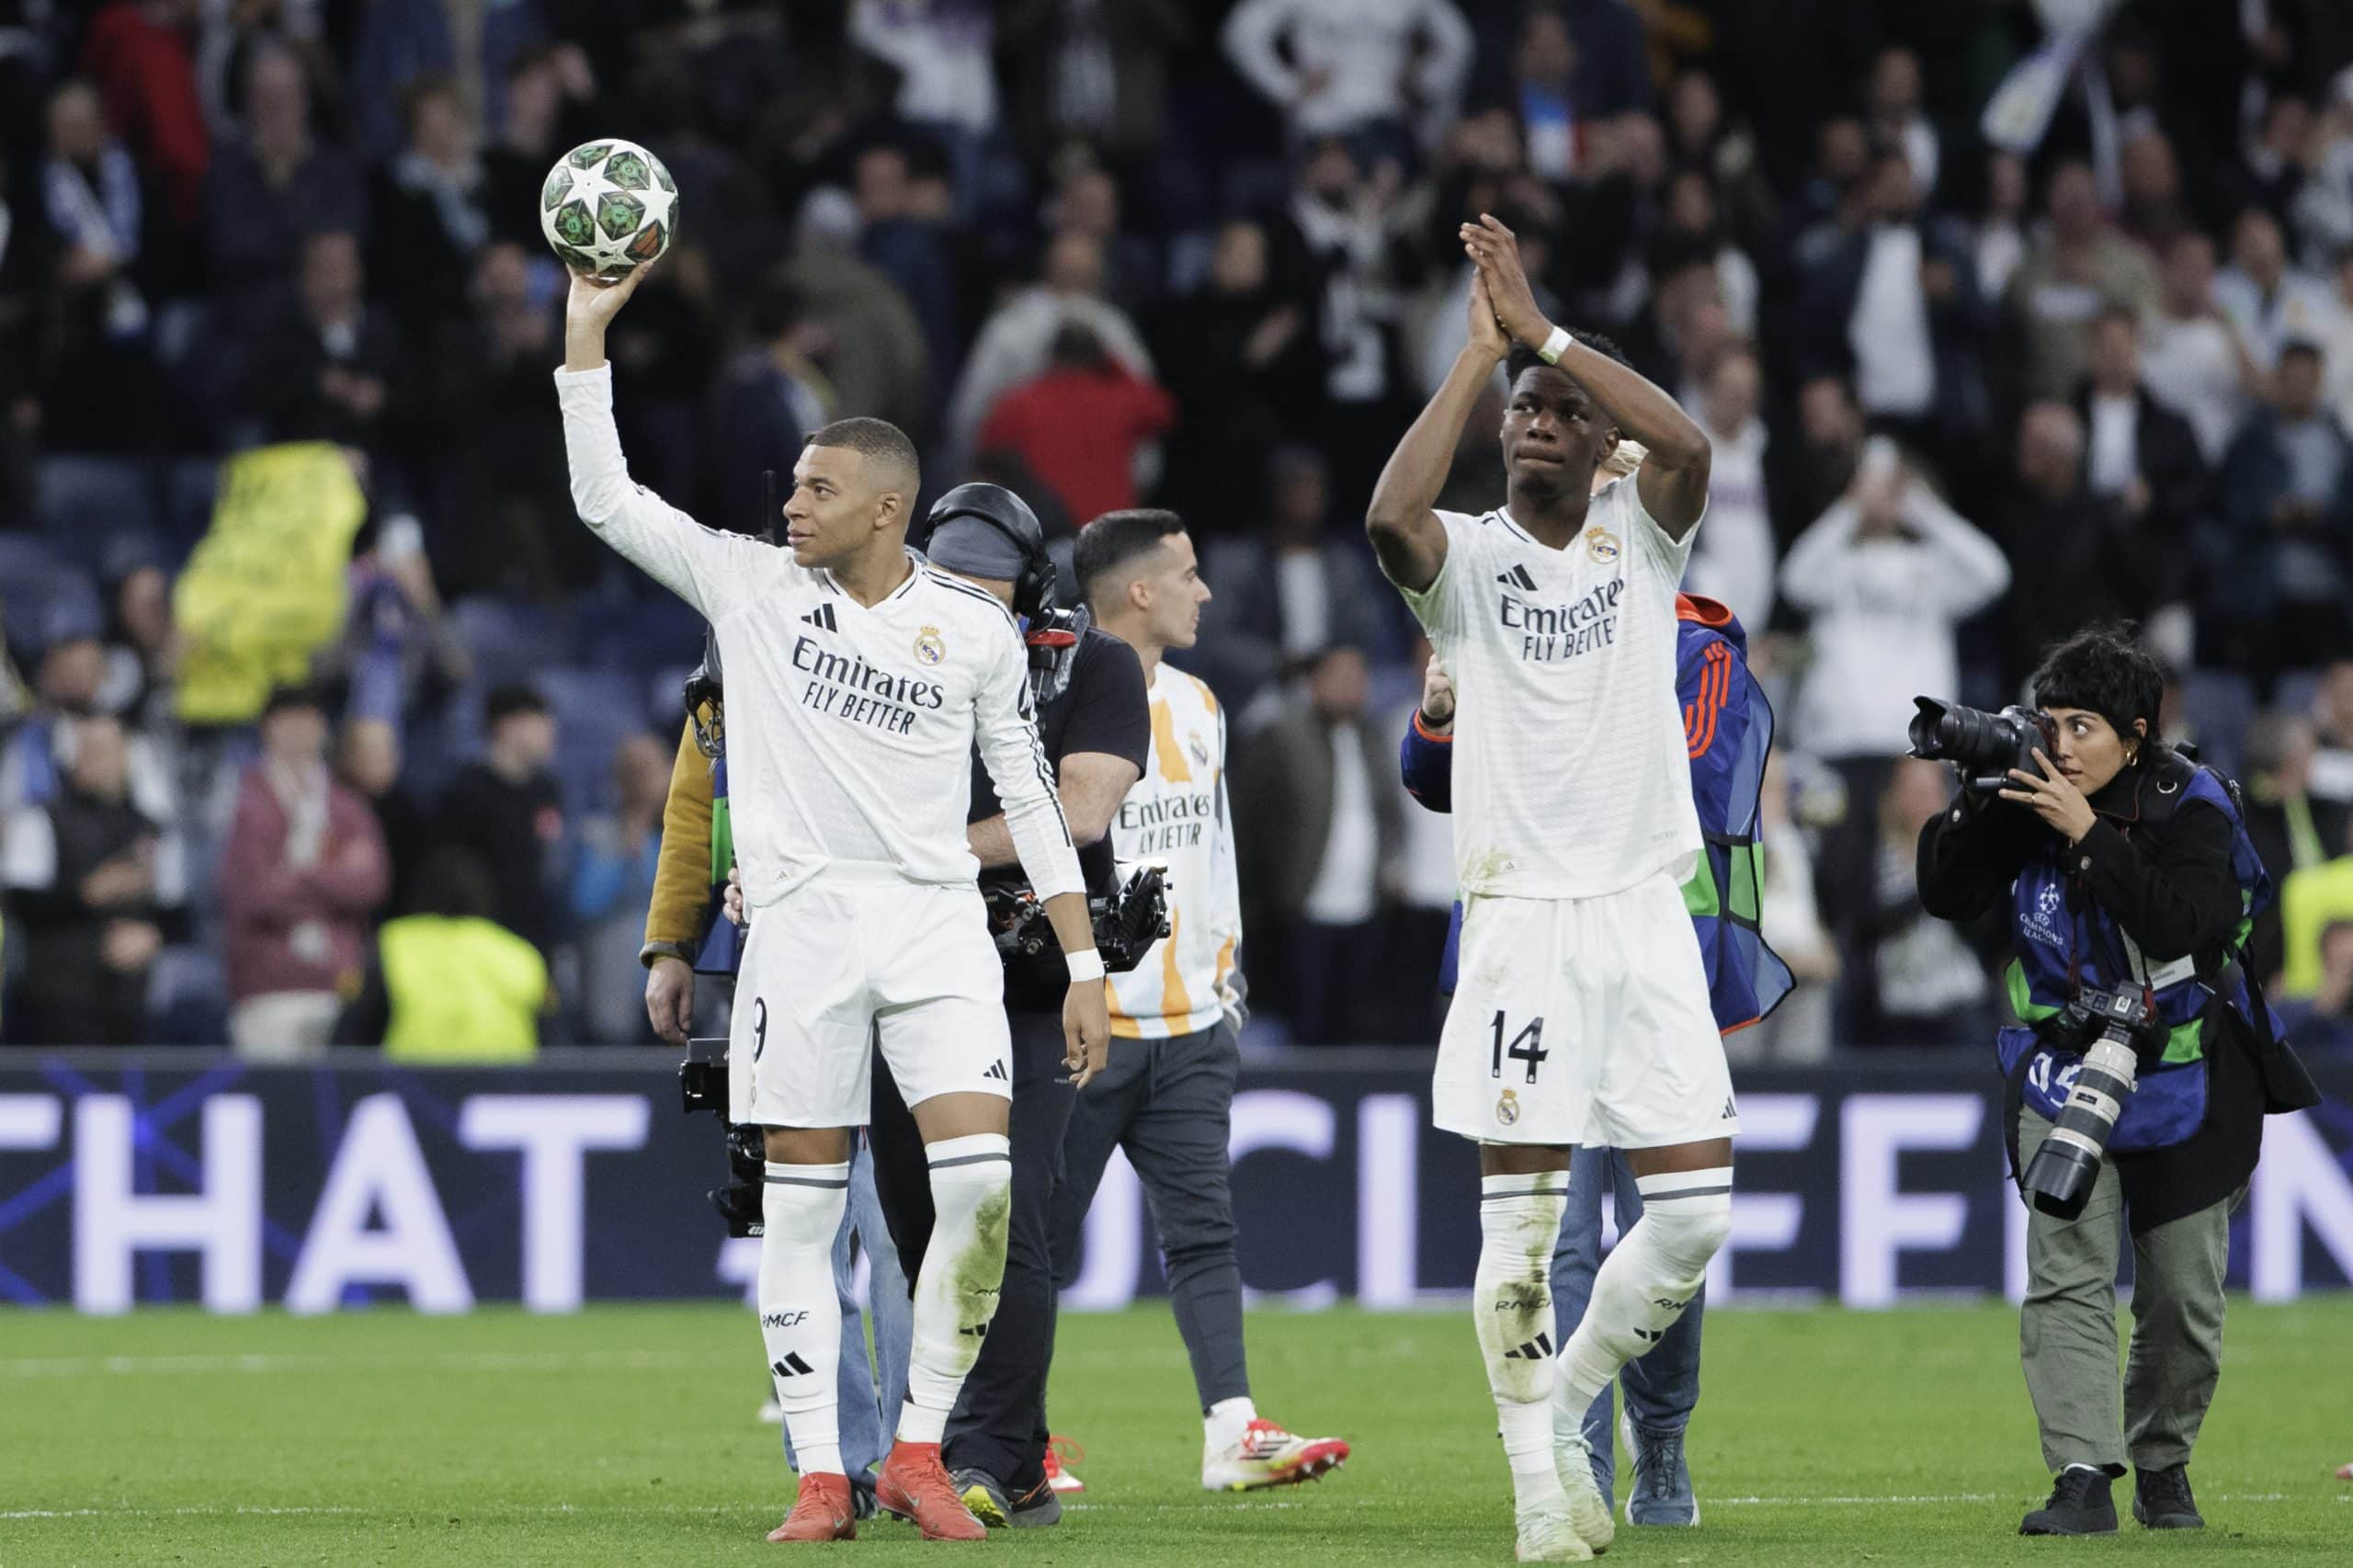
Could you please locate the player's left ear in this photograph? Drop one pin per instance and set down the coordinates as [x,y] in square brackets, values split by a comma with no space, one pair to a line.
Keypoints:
[1609,439]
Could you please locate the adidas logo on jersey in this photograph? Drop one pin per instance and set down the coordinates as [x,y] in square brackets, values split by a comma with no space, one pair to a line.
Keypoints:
[1516,577]
[996,1071]
[822,617]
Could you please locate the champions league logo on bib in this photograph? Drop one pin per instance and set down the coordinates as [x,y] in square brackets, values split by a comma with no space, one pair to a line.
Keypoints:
[2042,926]
[929,646]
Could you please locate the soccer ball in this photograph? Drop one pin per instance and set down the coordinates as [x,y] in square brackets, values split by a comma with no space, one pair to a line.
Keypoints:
[607,209]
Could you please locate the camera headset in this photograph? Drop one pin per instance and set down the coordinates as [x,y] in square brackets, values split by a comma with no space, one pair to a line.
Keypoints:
[1033,590]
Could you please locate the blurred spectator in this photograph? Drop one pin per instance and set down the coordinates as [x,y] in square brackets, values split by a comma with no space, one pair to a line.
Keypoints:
[2271,302]
[1698,137]
[2313,901]
[1235,355]
[508,812]
[1364,68]
[942,51]
[67,685]
[94,883]
[773,399]
[2001,228]
[1284,597]
[1907,980]
[2152,211]
[1088,202]
[1017,342]
[2273,168]
[2287,511]
[2141,458]
[1900,297]
[612,879]
[873,347]
[2325,1022]
[304,872]
[1885,575]
[2073,270]
[401,43]
[1694,227]
[1833,202]
[2333,733]
[2092,559]
[2194,359]
[329,369]
[1319,824]
[2292,826]
[667,344]
[1830,430]
[276,183]
[368,761]
[1790,920]
[430,221]
[1733,561]
[137,52]
[2324,206]
[1095,70]
[2335,339]
[1543,64]
[90,195]
[142,646]
[1079,425]
[900,240]
[448,984]
[546,87]
[1892,116]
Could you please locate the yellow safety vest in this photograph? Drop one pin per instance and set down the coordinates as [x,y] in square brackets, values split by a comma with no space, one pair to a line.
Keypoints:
[460,990]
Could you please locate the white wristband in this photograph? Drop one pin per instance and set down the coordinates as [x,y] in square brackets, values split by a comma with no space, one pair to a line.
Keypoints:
[1085,966]
[1554,346]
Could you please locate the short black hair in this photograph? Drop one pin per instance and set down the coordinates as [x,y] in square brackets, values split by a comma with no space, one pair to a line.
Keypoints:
[1115,538]
[455,884]
[873,439]
[285,698]
[506,701]
[1522,358]
[2300,348]
[2104,670]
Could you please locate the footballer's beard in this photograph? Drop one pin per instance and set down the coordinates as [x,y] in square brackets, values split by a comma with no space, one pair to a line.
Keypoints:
[1542,486]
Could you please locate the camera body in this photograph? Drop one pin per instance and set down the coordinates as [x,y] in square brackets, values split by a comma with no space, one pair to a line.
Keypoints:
[1984,746]
[1127,922]
[2117,1027]
[702,1085]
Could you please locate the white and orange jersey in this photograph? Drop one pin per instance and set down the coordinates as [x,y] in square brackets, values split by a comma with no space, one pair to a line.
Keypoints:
[1176,816]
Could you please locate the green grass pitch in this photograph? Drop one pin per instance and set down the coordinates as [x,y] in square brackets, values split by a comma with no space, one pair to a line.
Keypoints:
[625,1436]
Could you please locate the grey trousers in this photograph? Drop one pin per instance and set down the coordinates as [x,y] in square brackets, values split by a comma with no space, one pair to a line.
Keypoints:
[2067,1328]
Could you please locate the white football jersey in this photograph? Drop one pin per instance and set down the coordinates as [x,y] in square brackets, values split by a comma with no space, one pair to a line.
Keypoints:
[1175,814]
[1572,775]
[850,727]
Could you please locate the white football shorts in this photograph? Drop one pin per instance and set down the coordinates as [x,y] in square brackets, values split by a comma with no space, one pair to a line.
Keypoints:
[844,963]
[1583,1021]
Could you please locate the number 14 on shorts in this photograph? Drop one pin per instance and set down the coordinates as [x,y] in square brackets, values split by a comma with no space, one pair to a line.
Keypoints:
[1527,1046]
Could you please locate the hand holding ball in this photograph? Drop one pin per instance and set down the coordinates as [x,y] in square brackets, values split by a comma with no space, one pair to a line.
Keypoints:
[607,209]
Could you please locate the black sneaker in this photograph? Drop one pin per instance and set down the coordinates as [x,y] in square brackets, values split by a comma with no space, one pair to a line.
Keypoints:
[996,1505]
[861,1496]
[2161,1499]
[2079,1506]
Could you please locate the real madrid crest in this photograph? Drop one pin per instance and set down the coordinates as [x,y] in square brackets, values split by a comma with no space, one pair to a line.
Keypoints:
[929,646]
[1199,747]
[1507,1108]
[1601,544]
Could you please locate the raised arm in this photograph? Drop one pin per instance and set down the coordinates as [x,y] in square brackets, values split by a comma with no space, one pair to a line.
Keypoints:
[1406,535]
[710,570]
[1673,481]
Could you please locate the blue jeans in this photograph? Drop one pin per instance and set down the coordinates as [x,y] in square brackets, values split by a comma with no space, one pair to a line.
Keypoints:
[1664,1384]
[870,1392]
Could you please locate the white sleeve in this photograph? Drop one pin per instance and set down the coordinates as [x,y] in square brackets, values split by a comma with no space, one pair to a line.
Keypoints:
[1972,571]
[1006,728]
[1249,37]
[1225,886]
[1663,550]
[1438,605]
[714,572]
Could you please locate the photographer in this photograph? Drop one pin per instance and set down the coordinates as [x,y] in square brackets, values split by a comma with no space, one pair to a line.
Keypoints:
[2129,879]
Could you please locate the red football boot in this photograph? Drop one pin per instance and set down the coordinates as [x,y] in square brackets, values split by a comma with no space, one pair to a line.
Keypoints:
[823,1511]
[915,1485]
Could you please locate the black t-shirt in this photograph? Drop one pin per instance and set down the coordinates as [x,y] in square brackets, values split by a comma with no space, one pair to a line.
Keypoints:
[1104,708]
[513,828]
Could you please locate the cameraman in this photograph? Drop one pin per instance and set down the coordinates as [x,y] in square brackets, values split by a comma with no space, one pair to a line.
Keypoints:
[2125,867]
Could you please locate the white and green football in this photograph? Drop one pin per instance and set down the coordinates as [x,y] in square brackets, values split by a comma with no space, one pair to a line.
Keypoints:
[607,209]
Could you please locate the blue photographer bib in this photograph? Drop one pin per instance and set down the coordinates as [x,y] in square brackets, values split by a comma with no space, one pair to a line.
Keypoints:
[2062,939]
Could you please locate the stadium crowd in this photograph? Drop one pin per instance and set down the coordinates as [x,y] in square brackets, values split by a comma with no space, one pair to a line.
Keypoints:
[1972,377]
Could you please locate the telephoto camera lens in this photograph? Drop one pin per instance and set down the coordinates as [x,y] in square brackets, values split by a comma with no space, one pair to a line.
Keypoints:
[2059,1178]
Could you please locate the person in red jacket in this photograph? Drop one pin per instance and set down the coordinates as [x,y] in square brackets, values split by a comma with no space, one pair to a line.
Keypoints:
[137,51]
[1078,423]
[303,871]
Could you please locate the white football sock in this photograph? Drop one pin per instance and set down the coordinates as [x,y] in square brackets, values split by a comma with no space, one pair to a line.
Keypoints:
[1647,1280]
[1519,1220]
[1223,1422]
[800,1318]
[963,1270]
